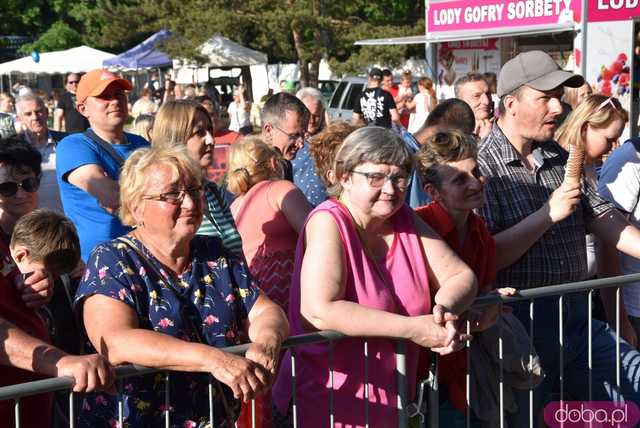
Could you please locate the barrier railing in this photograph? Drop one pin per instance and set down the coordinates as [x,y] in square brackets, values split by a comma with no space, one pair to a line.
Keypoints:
[16,392]
[530,295]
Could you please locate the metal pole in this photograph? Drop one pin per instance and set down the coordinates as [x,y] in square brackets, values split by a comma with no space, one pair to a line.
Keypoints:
[401,373]
[583,44]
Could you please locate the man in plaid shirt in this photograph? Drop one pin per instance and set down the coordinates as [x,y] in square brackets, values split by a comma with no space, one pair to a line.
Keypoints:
[539,223]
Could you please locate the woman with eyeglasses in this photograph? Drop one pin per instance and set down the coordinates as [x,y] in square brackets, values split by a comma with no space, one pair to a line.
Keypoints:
[185,122]
[366,265]
[164,297]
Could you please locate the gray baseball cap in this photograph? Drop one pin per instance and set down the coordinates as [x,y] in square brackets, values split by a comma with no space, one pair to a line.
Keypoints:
[537,70]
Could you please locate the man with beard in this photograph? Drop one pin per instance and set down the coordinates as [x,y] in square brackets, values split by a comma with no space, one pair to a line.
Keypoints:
[539,221]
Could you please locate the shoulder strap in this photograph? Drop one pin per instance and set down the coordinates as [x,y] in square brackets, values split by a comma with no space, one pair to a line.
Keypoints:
[105,146]
[230,414]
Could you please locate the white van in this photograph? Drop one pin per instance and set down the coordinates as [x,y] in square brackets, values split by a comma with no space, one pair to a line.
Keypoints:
[345,97]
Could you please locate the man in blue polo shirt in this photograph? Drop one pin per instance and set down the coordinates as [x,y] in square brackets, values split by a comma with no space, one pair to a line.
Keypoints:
[88,164]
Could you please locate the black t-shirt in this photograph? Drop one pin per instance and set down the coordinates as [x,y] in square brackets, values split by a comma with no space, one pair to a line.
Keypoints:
[73,120]
[374,106]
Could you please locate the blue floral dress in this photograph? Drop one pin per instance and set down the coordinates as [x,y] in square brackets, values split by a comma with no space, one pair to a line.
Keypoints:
[216,295]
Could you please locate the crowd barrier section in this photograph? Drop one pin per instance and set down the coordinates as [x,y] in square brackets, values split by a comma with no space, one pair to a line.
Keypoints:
[428,392]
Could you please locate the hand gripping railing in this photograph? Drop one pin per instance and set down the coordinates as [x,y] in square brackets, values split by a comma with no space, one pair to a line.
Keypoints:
[16,392]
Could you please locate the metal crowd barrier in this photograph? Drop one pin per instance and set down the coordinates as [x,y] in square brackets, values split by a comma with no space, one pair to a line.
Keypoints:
[531,295]
[16,392]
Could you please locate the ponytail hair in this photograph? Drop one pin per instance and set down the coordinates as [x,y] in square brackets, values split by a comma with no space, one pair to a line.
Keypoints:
[251,161]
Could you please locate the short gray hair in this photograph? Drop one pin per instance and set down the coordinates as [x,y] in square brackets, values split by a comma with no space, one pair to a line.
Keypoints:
[29,96]
[310,93]
[277,106]
[373,144]
[469,77]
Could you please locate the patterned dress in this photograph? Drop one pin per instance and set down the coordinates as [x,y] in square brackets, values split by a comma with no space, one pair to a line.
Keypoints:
[216,295]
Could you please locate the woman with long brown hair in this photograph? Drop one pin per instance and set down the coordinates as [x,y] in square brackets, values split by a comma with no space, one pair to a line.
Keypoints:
[423,102]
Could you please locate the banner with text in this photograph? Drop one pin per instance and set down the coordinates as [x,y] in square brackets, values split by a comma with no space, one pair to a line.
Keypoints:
[613,10]
[483,14]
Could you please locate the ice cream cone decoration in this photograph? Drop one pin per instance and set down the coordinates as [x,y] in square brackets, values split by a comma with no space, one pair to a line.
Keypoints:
[573,170]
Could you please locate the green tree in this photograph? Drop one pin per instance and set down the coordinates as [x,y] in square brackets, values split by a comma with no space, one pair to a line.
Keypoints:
[303,31]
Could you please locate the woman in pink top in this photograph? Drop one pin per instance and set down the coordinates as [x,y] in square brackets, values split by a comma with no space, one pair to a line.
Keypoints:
[269,212]
[368,266]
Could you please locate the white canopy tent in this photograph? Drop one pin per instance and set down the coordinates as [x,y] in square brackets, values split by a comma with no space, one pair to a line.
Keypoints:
[80,59]
[219,52]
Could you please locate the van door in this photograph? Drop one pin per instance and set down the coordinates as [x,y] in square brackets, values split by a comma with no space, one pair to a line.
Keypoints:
[336,100]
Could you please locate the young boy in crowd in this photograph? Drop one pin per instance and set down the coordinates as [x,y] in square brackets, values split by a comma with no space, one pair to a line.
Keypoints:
[449,171]
[45,239]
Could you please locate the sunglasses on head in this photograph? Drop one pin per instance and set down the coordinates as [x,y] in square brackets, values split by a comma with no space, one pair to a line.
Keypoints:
[10,188]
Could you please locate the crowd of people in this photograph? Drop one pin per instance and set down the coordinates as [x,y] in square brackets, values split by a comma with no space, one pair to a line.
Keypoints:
[120,247]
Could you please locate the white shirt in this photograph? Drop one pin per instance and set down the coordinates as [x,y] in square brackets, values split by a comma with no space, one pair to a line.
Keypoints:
[49,192]
[239,117]
[619,183]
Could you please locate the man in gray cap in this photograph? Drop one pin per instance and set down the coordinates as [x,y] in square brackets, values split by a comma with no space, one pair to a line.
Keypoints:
[375,106]
[539,224]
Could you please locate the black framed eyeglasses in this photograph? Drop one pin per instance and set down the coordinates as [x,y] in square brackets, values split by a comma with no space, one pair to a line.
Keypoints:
[293,138]
[377,179]
[73,82]
[176,197]
[10,188]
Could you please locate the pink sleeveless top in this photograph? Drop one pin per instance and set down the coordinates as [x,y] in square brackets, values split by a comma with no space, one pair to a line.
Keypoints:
[405,267]
[268,242]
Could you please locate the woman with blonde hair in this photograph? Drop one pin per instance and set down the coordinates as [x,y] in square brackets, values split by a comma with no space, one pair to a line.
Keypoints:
[185,122]
[423,102]
[164,297]
[269,213]
[574,96]
[595,126]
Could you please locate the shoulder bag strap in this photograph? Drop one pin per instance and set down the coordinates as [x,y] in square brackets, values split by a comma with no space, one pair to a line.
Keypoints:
[105,146]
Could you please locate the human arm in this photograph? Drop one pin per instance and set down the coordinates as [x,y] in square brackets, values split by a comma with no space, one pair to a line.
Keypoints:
[21,350]
[325,308]
[356,119]
[268,328]
[58,116]
[288,198]
[92,179]
[395,117]
[608,266]
[455,284]
[512,243]
[112,327]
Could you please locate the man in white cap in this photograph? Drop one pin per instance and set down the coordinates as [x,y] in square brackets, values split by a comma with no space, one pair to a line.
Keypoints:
[88,164]
[539,223]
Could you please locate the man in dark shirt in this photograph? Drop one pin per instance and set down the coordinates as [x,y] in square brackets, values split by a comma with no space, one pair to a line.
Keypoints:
[66,108]
[376,106]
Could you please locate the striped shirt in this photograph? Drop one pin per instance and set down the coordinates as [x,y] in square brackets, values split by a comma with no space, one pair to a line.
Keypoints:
[513,193]
[218,221]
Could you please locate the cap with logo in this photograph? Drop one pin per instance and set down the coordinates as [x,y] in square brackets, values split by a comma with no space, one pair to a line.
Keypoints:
[537,70]
[95,82]
[375,73]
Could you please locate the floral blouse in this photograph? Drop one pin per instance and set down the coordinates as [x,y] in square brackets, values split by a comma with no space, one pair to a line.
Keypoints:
[216,295]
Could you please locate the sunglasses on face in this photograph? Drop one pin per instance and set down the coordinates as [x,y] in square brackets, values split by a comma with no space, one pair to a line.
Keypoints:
[10,188]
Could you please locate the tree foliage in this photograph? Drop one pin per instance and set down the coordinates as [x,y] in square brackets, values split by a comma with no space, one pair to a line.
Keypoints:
[303,31]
